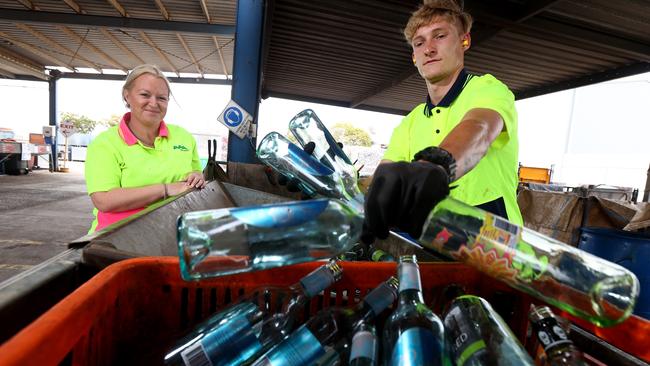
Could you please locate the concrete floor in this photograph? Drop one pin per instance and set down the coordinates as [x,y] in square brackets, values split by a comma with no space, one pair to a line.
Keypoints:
[39,214]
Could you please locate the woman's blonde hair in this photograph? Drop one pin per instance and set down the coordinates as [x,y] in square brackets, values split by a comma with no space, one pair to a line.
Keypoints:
[139,71]
[432,9]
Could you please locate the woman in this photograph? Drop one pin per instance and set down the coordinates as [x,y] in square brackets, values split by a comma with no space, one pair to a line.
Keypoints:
[142,160]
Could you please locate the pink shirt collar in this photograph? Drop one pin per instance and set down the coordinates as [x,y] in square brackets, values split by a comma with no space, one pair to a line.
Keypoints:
[129,137]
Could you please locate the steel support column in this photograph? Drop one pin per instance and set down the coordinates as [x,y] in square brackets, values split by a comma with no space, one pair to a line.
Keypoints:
[54,161]
[247,64]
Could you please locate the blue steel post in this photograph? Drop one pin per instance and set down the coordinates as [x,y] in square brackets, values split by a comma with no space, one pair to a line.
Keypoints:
[247,73]
[54,161]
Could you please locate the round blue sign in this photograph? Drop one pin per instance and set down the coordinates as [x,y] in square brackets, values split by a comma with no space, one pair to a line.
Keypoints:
[233,116]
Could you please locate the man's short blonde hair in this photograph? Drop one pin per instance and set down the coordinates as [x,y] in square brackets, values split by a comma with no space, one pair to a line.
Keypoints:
[139,71]
[432,9]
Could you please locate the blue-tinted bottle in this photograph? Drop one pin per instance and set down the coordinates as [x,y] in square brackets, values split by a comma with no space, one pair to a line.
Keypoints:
[232,240]
[327,329]
[413,334]
[365,346]
[242,332]
[479,336]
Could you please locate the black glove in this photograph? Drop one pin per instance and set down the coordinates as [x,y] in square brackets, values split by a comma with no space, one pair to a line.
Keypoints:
[402,195]
[293,184]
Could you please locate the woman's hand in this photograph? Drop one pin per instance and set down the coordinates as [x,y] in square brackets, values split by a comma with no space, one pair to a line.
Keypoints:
[196,180]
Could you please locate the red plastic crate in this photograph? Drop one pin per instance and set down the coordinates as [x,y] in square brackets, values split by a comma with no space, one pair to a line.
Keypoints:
[133,311]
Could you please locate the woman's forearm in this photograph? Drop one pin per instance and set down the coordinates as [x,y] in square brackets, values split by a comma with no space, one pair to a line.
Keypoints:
[124,199]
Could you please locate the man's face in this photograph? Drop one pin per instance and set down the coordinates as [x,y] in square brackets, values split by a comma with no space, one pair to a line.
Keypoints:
[438,50]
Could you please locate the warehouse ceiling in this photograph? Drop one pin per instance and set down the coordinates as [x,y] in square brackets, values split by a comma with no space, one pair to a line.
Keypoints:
[342,52]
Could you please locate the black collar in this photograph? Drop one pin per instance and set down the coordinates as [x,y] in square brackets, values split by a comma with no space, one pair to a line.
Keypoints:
[451,95]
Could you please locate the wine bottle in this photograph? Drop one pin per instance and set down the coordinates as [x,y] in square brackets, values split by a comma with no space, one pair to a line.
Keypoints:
[327,328]
[559,349]
[232,240]
[247,329]
[413,334]
[479,336]
[365,346]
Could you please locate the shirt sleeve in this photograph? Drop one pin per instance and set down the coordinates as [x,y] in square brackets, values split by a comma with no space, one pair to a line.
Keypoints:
[496,96]
[398,147]
[196,163]
[102,167]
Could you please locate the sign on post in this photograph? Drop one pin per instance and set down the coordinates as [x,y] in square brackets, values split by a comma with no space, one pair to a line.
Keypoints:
[236,119]
[66,128]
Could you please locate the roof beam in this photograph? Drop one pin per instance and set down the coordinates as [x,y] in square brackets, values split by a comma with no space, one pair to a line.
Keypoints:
[518,15]
[206,12]
[151,43]
[61,48]
[163,10]
[223,62]
[116,22]
[92,47]
[7,74]
[120,9]
[121,45]
[74,6]
[11,62]
[173,79]
[189,52]
[28,4]
[36,51]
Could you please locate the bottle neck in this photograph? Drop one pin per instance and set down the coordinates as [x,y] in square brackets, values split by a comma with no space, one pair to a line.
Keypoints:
[311,285]
[376,301]
[410,287]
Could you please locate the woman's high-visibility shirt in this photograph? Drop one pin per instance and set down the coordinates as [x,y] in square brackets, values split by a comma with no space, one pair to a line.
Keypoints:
[495,176]
[117,159]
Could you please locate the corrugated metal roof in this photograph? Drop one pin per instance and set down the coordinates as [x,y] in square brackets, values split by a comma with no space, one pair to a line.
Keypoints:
[344,52]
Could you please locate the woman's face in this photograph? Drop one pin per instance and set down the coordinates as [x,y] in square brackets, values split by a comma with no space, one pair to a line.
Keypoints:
[147,99]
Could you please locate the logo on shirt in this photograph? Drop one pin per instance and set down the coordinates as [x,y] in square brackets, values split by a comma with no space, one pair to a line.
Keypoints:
[181,147]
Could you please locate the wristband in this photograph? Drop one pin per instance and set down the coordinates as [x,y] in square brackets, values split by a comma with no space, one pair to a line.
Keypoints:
[166,193]
[440,156]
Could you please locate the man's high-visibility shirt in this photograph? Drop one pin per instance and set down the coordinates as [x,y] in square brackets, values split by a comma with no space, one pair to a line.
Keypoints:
[495,176]
[117,159]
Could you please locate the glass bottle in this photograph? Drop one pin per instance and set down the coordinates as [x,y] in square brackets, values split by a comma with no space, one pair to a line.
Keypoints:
[365,346]
[573,280]
[559,349]
[478,335]
[245,330]
[232,240]
[327,328]
[413,334]
[291,161]
[307,127]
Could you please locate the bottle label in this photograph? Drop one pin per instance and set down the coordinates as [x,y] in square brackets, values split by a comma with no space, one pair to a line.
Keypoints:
[317,281]
[466,342]
[550,333]
[409,277]
[417,346]
[216,341]
[280,215]
[364,345]
[497,249]
[301,348]
[380,298]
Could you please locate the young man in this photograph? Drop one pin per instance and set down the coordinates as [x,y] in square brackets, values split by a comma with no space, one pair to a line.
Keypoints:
[464,137]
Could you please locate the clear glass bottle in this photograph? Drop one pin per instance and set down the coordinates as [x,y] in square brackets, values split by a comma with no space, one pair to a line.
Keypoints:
[243,331]
[559,349]
[307,127]
[413,334]
[232,240]
[365,346]
[478,335]
[328,328]
[291,161]
[571,279]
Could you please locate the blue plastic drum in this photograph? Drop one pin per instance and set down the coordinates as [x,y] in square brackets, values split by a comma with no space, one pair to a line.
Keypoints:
[627,249]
